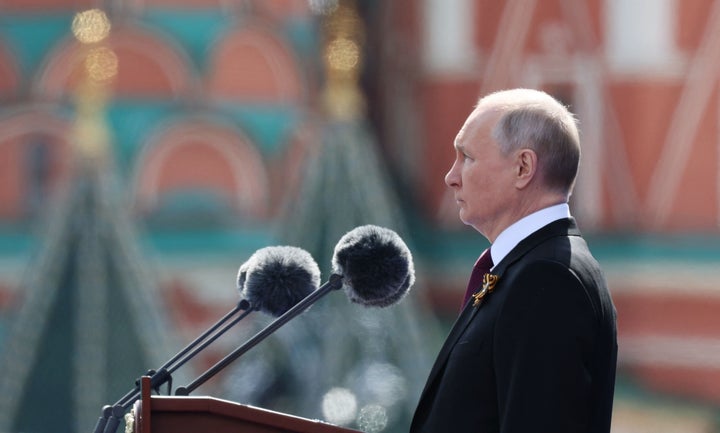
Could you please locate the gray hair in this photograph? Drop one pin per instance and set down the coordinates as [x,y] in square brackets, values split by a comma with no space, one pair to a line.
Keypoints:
[532,119]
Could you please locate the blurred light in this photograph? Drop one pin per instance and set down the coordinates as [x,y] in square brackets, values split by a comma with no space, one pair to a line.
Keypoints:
[255,377]
[323,7]
[339,406]
[91,26]
[373,418]
[343,54]
[385,383]
[101,64]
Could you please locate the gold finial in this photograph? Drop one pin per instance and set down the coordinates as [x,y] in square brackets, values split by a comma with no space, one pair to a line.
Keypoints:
[100,67]
[91,26]
[101,64]
[344,36]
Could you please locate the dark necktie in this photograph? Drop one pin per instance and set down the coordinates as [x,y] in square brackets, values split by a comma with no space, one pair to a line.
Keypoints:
[482,266]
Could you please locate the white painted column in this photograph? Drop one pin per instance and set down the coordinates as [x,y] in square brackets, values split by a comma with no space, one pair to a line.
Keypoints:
[641,36]
[447,36]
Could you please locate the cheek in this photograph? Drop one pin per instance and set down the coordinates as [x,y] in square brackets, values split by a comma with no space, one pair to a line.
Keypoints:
[474,178]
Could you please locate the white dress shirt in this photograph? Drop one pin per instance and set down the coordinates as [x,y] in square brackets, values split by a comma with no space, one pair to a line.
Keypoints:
[524,227]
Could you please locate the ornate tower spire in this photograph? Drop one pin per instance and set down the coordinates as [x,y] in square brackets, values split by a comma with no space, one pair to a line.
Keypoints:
[90,322]
[363,375]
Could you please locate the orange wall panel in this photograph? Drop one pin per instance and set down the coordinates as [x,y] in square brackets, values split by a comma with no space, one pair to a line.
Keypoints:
[643,312]
[644,111]
[252,64]
[11,179]
[695,206]
[691,24]
[9,80]
[140,75]
[193,165]
[487,17]
[445,106]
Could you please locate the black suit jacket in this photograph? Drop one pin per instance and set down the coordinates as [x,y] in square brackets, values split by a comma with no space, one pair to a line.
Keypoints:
[538,355]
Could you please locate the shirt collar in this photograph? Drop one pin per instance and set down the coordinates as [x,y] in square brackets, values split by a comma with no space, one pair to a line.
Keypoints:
[524,227]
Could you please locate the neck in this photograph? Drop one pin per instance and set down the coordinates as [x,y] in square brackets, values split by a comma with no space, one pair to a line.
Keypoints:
[524,208]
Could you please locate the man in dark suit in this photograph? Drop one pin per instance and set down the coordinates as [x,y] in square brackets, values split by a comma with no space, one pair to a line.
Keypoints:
[535,348]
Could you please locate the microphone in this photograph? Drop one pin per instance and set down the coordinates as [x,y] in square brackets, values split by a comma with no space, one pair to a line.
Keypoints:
[376,266]
[371,263]
[272,280]
[276,278]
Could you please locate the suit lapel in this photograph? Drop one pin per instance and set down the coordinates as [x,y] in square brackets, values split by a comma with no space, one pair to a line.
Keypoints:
[561,227]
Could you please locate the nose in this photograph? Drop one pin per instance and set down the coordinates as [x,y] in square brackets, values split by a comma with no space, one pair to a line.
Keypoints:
[452,178]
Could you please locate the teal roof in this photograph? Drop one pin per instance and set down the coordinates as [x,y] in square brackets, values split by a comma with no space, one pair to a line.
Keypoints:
[194,30]
[32,36]
[268,125]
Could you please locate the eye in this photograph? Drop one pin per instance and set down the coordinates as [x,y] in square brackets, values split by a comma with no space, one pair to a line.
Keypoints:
[462,154]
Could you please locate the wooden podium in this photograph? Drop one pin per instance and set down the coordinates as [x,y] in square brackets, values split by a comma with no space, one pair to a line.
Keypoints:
[167,414]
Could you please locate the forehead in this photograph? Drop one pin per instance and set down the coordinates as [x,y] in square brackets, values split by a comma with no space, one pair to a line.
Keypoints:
[480,121]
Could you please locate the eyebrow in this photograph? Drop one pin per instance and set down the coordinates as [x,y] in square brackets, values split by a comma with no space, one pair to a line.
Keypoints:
[456,142]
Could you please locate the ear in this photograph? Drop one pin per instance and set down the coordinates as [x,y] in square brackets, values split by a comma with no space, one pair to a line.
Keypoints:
[526,166]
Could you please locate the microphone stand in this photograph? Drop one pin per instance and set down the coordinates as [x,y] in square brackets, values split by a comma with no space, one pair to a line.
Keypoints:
[111,415]
[334,283]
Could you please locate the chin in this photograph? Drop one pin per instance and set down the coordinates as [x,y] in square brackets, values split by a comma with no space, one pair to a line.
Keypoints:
[470,223]
[463,215]
[466,222]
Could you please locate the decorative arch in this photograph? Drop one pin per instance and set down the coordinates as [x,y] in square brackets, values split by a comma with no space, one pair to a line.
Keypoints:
[201,156]
[148,66]
[253,64]
[36,160]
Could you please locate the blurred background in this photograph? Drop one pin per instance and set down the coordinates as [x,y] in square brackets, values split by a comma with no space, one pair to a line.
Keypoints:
[149,147]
